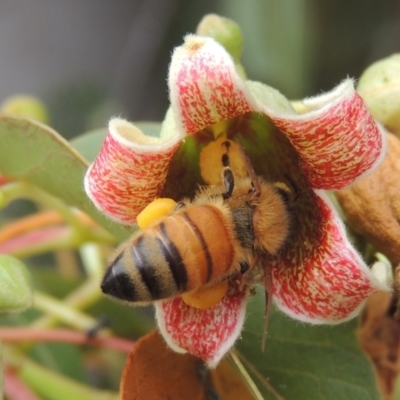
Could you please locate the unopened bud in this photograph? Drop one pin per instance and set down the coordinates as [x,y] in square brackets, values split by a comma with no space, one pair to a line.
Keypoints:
[26,106]
[15,285]
[379,86]
[225,32]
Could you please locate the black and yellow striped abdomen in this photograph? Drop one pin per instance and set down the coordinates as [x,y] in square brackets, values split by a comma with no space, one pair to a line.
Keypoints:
[182,252]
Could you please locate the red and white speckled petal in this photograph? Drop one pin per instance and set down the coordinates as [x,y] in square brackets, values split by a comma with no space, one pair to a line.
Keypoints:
[207,334]
[338,141]
[129,172]
[325,283]
[204,85]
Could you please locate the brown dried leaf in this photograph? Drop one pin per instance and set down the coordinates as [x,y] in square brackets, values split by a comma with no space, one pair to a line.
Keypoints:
[153,371]
[379,336]
[228,384]
[372,205]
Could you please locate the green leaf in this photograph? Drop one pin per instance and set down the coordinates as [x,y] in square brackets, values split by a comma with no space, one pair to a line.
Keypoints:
[64,358]
[15,285]
[89,143]
[303,361]
[36,153]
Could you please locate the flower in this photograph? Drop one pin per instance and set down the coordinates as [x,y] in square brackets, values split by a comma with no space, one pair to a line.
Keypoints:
[318,277]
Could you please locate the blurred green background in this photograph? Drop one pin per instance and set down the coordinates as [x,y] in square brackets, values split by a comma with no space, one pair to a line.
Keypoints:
[90,60]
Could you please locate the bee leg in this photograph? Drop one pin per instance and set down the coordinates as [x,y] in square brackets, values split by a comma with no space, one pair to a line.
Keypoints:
[266,276]
[250,171]
[247,272]
[268,303]
[246,279]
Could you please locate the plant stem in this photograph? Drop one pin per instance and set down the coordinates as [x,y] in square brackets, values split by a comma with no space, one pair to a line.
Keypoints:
[64,237]
[16,190]
[84,296]
[250,384]
[81,232]
[52,385]
[25,334]
[63,312]
[14,388]
[93,260]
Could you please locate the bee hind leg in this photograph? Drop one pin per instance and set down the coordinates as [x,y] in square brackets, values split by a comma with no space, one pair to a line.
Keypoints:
[264,278]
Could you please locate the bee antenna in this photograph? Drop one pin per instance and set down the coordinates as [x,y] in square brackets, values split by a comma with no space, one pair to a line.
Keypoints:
[250,171]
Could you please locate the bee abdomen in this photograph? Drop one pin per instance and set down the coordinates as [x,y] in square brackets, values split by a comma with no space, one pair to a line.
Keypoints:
[203,237]
[181,253]
[173,258]
[150,268]
[117,282]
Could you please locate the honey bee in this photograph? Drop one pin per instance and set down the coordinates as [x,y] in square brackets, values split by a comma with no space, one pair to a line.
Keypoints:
[226,229]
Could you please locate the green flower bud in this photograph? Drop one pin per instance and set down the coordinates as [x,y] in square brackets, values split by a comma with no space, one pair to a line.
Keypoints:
[379,86]
[15,285]
[224,31]
[26,106]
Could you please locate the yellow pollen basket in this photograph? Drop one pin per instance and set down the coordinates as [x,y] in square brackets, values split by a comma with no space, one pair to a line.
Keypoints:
[156,209]
[206,297]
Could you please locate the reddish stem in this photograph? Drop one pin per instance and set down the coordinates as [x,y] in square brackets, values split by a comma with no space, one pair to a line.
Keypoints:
[14,388]
[25,334]
[33,238]
[36,221]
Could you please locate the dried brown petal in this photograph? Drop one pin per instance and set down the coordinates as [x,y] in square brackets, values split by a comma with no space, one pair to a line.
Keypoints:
[372,205]
[228,384]
[379,336]
[153,371]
